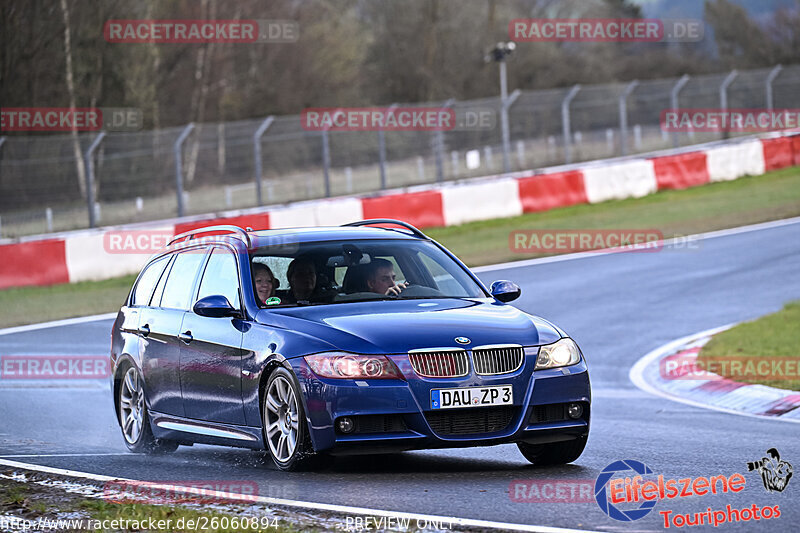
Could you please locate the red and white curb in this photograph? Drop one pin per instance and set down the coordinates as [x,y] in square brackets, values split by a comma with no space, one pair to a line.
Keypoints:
[719,394]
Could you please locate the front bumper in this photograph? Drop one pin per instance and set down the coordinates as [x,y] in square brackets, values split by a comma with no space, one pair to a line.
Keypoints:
[397,414]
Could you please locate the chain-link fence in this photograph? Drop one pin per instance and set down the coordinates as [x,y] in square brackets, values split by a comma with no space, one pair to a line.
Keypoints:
[132,176]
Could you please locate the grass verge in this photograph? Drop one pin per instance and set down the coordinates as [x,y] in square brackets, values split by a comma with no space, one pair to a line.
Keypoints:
[45,503]
[749,200]
[25,305]
[764,351]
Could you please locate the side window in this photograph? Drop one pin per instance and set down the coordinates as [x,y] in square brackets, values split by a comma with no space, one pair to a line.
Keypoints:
[178,290]
[221,277]
[147,282]
[155,301]
[279,266]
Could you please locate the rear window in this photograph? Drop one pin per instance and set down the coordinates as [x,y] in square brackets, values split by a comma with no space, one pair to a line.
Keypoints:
[147,282]
[178,290]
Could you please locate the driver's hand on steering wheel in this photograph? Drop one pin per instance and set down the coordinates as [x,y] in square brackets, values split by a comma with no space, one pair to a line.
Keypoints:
[396,289]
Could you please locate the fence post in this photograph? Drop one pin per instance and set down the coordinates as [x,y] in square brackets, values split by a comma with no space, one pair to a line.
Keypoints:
[257,157]
[438,147]
[221,149]
[177,151]
[770,78]
[723,97]
[326,162]
[88,160]
[673,98]
[623,116]
[2,141]
[487,156]
[507,102]
[382,149]
[326,155]
[565,122]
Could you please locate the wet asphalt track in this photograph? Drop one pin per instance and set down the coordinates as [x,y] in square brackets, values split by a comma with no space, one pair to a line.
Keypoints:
[617,306]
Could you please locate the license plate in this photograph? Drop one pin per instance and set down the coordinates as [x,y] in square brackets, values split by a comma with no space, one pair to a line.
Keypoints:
[472,397]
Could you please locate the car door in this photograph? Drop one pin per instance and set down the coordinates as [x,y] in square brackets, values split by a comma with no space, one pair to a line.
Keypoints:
[159,326]
[138,301]
[211,354]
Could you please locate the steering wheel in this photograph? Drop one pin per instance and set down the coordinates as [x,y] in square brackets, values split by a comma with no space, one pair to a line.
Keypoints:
[416,291]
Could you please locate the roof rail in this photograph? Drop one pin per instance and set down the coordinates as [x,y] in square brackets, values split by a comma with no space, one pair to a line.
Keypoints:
[405,225]
[191,234]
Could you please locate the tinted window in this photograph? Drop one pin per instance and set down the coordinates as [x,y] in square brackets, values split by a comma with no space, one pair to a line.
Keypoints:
[221,277]
[178,290]
[147,281]
[155,301]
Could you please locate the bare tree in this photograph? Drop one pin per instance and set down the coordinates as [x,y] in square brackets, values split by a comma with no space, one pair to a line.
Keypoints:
[76,145]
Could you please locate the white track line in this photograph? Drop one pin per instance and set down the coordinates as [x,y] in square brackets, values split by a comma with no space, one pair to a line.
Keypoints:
[676,240]
[636,375]
[63,455]
[342,509]
[57,323]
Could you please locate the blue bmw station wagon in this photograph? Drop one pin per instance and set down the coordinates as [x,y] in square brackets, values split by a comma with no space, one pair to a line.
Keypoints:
[314,342]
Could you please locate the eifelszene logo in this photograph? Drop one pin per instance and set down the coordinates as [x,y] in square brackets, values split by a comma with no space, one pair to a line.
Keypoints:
[774,473]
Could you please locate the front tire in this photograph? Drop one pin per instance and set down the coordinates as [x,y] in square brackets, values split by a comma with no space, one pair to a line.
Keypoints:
[284,420]
[134,418]
[555,453]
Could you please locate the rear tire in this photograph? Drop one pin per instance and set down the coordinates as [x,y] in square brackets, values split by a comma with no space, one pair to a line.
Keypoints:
[284,425]
[134,419]
[555,453]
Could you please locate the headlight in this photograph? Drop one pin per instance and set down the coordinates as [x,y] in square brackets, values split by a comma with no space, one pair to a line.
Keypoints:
[340,365]
[561,353]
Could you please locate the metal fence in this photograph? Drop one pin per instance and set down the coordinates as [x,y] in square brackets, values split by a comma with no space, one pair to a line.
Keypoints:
[198,168]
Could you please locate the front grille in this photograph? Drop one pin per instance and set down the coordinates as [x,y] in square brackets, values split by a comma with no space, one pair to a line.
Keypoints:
[439,363]
[493,360]
[379,424]
[472,421]
[554,412]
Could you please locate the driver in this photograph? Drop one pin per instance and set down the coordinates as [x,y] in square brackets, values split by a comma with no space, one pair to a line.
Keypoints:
[381,278]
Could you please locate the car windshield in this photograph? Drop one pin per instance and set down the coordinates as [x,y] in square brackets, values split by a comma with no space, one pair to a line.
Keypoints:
[357,270]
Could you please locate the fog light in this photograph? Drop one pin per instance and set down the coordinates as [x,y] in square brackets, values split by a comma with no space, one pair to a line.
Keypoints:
[574,410]
[346,425]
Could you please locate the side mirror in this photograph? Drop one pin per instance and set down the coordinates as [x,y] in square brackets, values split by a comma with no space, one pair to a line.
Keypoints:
[214,306]
[505,291]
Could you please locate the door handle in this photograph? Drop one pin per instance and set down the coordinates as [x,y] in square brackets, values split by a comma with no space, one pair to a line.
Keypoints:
[145,330]
[186,337]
